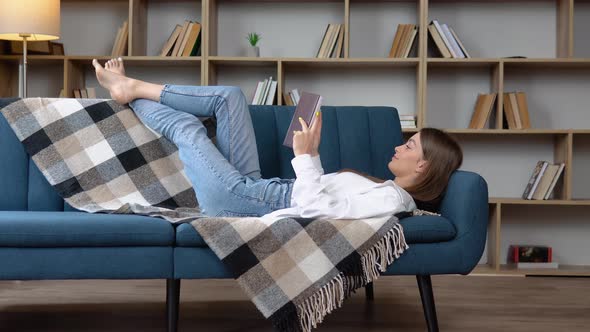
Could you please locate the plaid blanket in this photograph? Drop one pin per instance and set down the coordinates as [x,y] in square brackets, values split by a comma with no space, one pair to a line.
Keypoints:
[100,158]
[297,270]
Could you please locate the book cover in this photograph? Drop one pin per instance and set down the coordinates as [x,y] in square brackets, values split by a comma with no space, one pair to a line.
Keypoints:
[463,49]
[554,181]
[545,182]
[440,44]
[396,40]
[411,43]
[530,254]
[307,106]
[523,108]
[533,178]
[538,179]
[524,265]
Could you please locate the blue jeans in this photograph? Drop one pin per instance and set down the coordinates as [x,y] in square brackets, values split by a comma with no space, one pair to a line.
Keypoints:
[226,178]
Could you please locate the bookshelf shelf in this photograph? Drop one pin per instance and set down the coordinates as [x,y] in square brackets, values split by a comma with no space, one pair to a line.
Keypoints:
[547,63]
[519,201]
[351,62]
[507,270]
[563,270]
[439,92]
[142,60]
[471,62]
[509,131]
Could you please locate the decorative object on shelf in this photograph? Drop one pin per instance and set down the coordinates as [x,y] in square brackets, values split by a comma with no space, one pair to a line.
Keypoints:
[24,20]
[253,49]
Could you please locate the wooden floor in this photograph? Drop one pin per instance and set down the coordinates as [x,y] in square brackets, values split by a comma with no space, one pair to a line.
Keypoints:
[472,303]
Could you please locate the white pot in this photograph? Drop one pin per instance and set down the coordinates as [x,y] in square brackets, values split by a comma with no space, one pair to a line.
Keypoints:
[253,51]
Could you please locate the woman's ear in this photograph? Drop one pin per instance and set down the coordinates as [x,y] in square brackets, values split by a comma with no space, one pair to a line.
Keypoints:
[421,166]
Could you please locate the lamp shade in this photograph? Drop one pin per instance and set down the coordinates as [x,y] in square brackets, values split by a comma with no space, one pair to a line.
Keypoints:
[37,18]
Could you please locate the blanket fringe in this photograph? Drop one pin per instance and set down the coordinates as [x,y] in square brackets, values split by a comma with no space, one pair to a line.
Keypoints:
[354,276]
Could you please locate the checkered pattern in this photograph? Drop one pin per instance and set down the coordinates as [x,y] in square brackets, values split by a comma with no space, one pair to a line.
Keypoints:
[297,270]
[101,158]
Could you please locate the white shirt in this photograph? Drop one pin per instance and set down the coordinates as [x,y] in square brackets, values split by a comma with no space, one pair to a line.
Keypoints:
[340,195]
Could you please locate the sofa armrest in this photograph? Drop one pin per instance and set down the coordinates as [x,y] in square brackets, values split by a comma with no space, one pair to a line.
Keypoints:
[466,205]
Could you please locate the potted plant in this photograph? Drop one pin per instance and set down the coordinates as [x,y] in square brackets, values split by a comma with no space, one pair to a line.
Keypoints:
[253,49]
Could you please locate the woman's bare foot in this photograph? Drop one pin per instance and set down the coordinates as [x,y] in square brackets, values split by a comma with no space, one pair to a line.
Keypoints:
[115,66]
[120,87]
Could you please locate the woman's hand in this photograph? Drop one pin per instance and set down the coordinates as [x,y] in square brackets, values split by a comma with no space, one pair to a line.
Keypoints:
[307,140]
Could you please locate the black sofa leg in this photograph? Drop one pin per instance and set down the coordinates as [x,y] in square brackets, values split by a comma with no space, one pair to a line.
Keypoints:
[425,287]
[369,293]
[172,300]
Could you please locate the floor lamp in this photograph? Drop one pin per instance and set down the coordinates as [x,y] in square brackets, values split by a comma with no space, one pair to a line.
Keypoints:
[28,20]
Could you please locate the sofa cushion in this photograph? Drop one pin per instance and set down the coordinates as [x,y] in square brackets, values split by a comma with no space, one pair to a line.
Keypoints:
[81,229]
[420,229]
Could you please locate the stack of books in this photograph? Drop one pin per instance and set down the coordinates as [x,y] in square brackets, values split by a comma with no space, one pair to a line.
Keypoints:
[292,97]
[516,110]
[185,40]
[120,44]
[483,109]
[265,92]
[403,40]
[531,257]
[447,41]
[543,180]
[333,42]
[407,120]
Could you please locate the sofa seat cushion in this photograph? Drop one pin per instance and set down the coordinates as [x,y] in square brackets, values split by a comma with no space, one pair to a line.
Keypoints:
[81,229]
[420,229]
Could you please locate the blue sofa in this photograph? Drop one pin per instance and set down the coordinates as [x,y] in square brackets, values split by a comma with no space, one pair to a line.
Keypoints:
[42,237]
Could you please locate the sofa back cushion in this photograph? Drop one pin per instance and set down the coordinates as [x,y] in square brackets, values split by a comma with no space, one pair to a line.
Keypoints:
[360,138]
[356,137]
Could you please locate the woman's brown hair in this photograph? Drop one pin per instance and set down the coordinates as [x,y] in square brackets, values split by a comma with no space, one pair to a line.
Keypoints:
[444,156]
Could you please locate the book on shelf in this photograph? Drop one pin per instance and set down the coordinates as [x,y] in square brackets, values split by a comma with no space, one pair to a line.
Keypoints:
[519,253]
[167,48]
[291,98]
[523,109]
[534,179]
[543,180]
[332,42]
[265,92]
[440,44]
[551,265]
[86,93]
[461,46]
[452,42]
[403,41]
[554,181]
[193,44]
[288,100]
[444,38]
[295,96]
[447,41]
[516,110]
[121,41]
[181,35]
[407,120]
[306,109]
[483,108]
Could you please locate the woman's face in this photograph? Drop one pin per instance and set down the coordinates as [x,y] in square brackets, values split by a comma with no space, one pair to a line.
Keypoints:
[407,159]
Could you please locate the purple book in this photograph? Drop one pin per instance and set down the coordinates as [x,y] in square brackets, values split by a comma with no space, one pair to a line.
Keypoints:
[308,105]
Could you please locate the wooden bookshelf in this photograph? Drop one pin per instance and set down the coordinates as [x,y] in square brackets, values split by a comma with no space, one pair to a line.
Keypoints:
[430,87]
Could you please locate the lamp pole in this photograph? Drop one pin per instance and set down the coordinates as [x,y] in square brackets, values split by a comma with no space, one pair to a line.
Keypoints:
[24,36]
